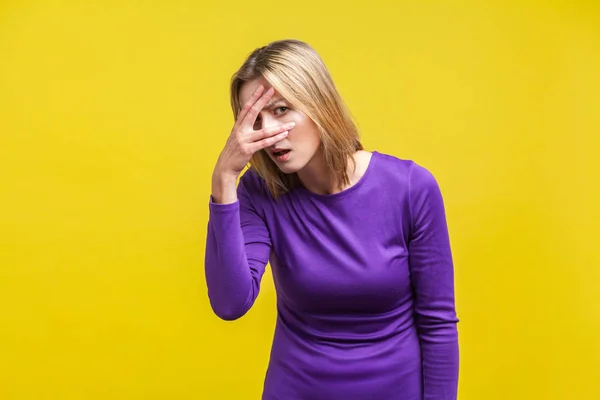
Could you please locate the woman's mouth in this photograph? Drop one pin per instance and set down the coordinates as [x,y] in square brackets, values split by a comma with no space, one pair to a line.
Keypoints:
[282,155]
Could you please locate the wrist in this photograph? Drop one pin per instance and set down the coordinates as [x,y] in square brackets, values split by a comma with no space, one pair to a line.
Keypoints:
[224,186]
[222,173]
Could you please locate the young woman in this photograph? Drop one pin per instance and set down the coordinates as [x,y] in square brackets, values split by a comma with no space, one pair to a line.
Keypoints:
[357,242]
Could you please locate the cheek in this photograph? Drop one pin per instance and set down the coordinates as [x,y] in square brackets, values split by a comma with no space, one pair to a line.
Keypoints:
[305,136]
[315,139]
[305,140]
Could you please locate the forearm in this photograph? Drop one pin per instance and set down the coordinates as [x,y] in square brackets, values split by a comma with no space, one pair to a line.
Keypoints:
[440,354]
[228,276]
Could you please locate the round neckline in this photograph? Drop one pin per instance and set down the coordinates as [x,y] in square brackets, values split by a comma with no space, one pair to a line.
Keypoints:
[346,191]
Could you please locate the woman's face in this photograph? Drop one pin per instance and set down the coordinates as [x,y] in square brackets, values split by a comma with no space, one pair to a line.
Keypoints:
[303,140]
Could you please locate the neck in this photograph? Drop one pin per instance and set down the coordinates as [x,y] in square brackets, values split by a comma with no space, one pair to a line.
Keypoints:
[317,177]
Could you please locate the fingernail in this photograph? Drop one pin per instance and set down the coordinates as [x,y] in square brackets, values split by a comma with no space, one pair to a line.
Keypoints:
[290,125]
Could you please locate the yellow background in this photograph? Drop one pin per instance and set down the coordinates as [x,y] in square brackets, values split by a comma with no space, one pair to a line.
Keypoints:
[112,115]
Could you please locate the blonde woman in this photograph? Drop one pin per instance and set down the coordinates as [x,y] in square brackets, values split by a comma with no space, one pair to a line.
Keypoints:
[357,242]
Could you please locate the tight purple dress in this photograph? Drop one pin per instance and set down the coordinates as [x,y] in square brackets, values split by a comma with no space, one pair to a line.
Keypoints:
[364,281]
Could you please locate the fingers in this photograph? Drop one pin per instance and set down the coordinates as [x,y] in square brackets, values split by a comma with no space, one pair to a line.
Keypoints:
[255,108]
[269,131]
[270,141]
[249,103]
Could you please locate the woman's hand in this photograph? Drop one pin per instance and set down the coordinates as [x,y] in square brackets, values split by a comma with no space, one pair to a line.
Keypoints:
[242,143]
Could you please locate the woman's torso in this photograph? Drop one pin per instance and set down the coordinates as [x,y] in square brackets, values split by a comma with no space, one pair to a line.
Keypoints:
[345,325]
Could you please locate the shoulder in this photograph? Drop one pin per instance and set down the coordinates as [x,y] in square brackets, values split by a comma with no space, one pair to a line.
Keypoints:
[407,176]
[406,170]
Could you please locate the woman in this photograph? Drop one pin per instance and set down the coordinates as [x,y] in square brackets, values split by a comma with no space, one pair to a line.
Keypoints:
[357,241]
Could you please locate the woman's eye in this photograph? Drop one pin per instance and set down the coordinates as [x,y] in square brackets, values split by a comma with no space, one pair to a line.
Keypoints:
[257,122]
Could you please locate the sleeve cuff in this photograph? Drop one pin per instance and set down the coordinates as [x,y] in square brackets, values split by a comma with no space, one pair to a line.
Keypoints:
[222,208]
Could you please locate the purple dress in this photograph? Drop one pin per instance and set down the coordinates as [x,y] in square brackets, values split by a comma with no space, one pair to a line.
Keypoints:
[364,281]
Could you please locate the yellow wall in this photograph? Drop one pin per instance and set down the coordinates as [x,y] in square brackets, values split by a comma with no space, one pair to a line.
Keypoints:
[113,113]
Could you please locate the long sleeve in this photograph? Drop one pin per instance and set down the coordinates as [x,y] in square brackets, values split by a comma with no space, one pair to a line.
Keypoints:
[432,278]
[237,251]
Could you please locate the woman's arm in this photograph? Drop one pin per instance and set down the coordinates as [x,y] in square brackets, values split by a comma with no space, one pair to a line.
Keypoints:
[237,241]
[432,277]
[237,251]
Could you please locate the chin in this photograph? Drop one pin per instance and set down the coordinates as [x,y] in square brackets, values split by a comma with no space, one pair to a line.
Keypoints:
[288,169]
[291,166]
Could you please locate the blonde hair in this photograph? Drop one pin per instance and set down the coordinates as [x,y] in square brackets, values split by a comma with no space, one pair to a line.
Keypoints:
[298,73]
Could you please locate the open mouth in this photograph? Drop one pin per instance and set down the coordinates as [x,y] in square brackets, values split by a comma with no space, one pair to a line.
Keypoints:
[282,155]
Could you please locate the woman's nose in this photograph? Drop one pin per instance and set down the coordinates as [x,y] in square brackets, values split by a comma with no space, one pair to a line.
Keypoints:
[267,120]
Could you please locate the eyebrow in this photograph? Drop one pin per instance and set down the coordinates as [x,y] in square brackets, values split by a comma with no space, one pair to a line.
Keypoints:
[274,101]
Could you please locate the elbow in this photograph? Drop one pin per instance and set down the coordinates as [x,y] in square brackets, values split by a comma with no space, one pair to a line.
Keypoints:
[228,312]
[229,315]
[437,321]
[438,330]
[228,306]
[437,324]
